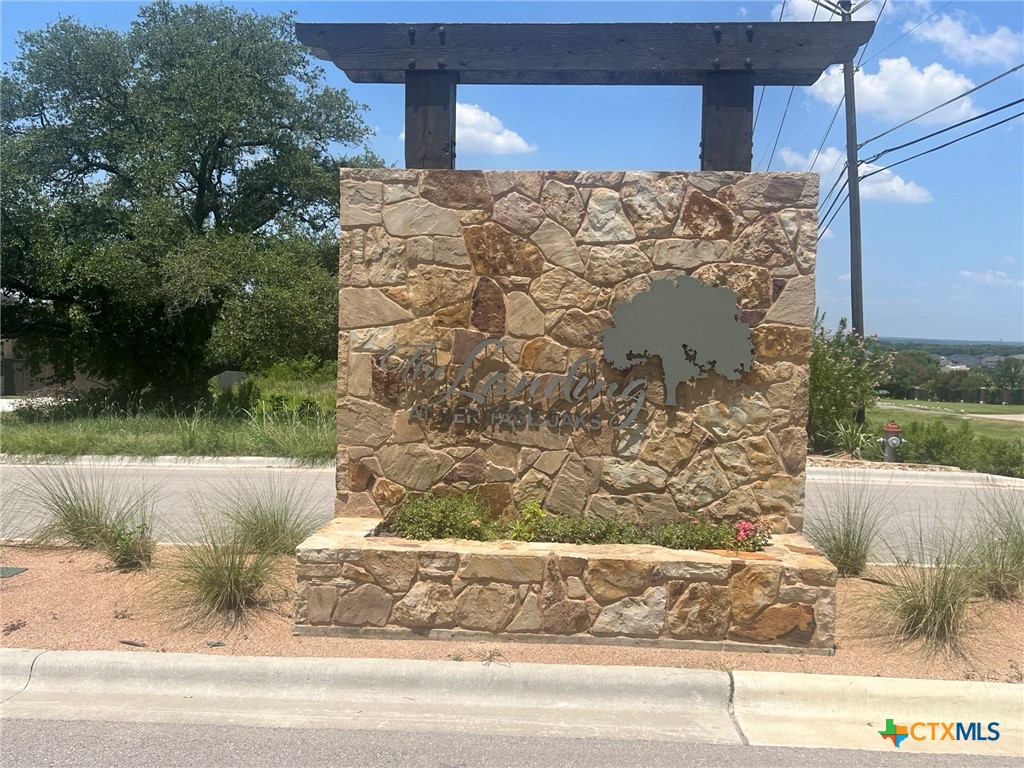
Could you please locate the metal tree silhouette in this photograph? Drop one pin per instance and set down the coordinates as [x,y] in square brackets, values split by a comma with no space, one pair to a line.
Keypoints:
[693,328]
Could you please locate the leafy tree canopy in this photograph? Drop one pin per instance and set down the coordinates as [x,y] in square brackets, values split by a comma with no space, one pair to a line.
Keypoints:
[162,183]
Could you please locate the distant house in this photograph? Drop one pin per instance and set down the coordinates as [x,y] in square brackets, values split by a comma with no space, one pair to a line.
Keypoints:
[15,378]
[991,361]
[946,364]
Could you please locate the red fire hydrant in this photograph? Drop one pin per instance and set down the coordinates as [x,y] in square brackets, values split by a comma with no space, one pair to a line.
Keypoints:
[891,439]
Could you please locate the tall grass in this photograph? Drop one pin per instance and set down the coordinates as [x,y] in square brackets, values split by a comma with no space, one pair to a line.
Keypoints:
[998,543]
[929,592]
[847,526]
[269,515]
[219,576]
[93,511]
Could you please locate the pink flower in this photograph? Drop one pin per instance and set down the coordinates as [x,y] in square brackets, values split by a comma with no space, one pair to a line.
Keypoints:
[744,530]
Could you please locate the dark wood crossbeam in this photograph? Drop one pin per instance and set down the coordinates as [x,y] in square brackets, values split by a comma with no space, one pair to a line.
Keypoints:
[727,60]
[787,53]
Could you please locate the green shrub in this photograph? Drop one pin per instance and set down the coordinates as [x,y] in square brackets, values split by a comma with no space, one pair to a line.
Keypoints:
[846,526]
[271,516]
[845,371]
[446,516]
[92,512]
[431,516]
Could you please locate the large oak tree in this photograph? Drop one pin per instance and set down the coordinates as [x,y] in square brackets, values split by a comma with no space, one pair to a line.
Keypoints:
[169,196]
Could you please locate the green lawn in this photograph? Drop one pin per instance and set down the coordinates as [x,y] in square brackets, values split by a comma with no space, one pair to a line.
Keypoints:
[310,438]
[975,408]
[1004,430]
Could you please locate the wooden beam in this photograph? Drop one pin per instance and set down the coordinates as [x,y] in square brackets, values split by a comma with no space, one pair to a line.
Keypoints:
[727,122]
[786,53]
[430,119]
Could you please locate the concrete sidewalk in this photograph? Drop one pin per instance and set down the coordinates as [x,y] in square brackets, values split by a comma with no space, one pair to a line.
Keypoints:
[770,709]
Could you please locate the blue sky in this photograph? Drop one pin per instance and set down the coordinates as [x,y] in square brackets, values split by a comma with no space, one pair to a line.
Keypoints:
[943,234]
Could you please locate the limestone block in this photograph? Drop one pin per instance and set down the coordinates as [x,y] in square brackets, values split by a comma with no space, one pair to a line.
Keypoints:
[701,483]
[561,289]
[752,285]
[367,307]
[518,213]
[580,330]
[631,477]
[558,246]
[609,580]
[384,258]
[763,243]
[495,250]
[746,416]
[394,571]
[528,619]
[568,494]
[705,218]
[361,203]
[611,507]
[633,616]
[605,222]
[610,265]
[361,422]
[782,342]
[610,179]
[748,459]
[533,486]
[414,466]
[791,622]
[540,354]
[428,604]
[514,569]
[688,254]
[485,607]
[432,287]
[320,604]
[795,305]
[360,374]
[753,588]
[641,200]
[574,588]
[419,217]
[701,612]
[464,190]
[562,203]
[366,605]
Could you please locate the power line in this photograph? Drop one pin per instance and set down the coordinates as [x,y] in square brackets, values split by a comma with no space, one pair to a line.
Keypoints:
[884,152]
[943,104]
[838,211]
[880,12]
[847,181]
[942,146]
[760,99]
[926,18]
[839,177]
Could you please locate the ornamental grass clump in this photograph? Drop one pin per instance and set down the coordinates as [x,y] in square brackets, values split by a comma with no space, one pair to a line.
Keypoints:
[846,525]
[929,592]
[272,515]
[998,546]
[219,575]
[93,511]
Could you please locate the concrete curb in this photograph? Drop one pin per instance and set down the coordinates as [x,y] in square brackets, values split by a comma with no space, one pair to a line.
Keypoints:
[794,709]
[619,702]
[760,708]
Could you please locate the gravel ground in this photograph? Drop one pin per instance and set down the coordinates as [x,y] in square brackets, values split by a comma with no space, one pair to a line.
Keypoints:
[74,600]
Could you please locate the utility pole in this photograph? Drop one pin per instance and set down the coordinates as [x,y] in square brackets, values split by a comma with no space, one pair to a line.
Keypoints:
[845,10]
[853,178]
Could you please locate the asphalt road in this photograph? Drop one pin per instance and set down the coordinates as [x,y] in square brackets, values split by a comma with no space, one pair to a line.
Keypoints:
[82,744]
[906,501]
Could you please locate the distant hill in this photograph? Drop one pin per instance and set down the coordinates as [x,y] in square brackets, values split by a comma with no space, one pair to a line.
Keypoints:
[950,347]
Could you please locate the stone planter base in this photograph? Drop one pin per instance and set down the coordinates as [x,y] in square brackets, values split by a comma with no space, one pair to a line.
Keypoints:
[354,584]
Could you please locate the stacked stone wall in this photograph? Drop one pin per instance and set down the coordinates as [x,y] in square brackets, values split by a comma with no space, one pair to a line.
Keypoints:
[541,260]
[353,585]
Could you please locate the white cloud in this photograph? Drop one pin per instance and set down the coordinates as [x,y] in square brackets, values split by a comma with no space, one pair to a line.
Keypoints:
[900,91]
[885,186]
[1007,260]
[805,10]
[742,12]
[991,278]
[827,234]
[1004,46]
[844,278]
[477,130]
